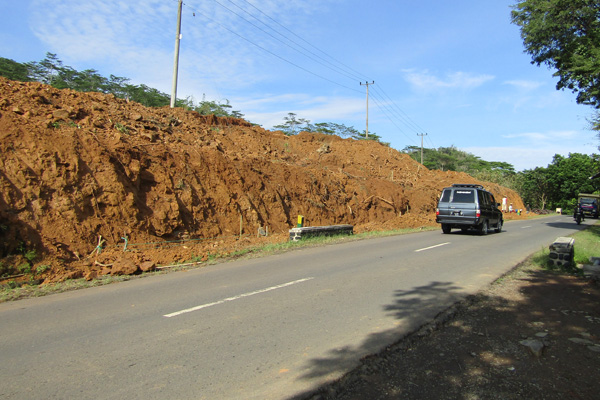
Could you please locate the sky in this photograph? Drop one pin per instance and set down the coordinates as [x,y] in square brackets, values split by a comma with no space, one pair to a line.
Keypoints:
[454,72]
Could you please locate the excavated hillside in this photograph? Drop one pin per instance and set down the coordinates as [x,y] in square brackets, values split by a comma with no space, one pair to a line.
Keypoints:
[79,169]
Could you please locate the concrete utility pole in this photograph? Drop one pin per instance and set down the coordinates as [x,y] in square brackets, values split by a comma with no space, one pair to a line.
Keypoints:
[176,64]
[367,85]
[421,134]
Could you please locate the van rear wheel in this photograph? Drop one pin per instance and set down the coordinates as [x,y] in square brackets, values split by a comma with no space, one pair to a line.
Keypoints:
[483,228]
[446,228]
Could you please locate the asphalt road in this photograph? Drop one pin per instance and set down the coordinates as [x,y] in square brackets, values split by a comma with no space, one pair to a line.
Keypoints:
[267,328]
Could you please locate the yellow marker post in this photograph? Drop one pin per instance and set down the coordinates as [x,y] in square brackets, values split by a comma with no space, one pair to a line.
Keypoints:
[300,221]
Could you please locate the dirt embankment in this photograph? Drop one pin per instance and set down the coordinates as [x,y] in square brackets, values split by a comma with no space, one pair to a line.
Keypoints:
[76,166]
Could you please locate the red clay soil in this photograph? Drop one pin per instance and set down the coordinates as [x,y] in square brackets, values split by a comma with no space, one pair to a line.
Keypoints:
[77,166]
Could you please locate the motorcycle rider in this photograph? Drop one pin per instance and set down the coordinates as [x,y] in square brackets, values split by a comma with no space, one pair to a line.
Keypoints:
[579,210]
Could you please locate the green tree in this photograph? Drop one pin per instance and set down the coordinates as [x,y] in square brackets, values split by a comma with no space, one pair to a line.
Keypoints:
[565,36]
[52,71]
[116,85]
[146,95]
[291,126]
[453,159]
[14,70]
[331,128]
[559,184]
[535,187]
[209,107]
[371,136]
[47,70]
[569,176]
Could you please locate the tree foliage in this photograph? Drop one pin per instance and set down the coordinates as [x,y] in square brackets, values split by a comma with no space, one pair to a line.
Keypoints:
[52,71]
[453,159]
[569,176]
[331,128]
[564,35]
[14,70]
[535,187]
[209,107]
[292,125]
[559,184]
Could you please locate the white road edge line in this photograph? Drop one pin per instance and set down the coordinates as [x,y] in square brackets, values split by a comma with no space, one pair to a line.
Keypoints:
[526,226]
[174,314]
[431,247]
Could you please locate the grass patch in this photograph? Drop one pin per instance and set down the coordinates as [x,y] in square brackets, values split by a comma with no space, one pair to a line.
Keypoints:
[34,290]
[586,246]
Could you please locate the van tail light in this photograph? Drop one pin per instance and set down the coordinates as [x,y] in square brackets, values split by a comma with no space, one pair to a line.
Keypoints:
[478,213]
[437,211]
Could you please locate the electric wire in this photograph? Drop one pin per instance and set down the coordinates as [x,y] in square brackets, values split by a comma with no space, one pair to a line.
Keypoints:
[399,112]
[304,53]
[356,75]
[390,107]
[323,61]
[385,111]
[431,144]
[380,97]
[270,52]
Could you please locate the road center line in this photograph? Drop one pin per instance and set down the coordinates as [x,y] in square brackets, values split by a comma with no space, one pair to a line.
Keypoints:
[432,247]
[174,314]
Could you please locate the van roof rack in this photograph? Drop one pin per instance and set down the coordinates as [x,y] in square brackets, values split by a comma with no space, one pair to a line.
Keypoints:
[469,185]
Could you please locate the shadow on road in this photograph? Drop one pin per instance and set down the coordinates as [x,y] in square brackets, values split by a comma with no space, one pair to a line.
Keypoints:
[412,308]
[474,348]
[569,223]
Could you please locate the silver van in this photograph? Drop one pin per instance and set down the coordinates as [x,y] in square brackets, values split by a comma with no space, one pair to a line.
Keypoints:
[468,206]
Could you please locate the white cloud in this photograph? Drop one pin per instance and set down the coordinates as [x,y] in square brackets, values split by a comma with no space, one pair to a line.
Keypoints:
[259,109]
[427,81]
[523,158]
[537,149]
[551,136]
[524,84]
[137,39]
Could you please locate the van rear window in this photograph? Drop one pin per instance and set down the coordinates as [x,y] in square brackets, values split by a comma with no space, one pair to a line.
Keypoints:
[463,196]
[446,196]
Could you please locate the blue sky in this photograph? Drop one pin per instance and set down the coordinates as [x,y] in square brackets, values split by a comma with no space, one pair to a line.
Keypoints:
[454,70]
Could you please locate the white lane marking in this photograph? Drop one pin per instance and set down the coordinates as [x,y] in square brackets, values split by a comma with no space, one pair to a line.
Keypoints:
[432,247]
[174,314]
[526,226]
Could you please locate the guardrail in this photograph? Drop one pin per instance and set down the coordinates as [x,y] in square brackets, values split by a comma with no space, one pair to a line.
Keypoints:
[312,231]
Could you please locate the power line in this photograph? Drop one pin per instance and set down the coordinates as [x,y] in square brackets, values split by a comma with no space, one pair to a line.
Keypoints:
[324,62]
[356,75]
[401,114]
[268,51]
[380,97]
[387,114]
[310,55]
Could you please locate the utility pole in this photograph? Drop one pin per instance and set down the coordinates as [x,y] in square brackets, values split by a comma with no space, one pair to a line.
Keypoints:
[176,64]
[421,134]
[367,85]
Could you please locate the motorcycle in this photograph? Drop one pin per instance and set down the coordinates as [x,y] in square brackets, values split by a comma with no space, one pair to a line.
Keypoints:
[578,216]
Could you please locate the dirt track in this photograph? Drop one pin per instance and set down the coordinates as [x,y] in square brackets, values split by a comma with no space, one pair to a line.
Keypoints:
[76,166]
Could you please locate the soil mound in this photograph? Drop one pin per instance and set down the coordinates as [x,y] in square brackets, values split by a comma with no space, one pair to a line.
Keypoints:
[77,166]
